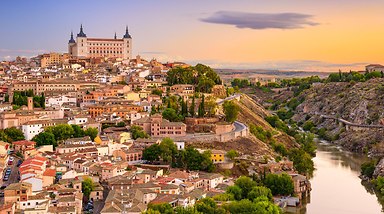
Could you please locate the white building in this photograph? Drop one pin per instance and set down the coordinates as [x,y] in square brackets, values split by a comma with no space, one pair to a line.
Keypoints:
[100,47]
[34,127]
[60,100]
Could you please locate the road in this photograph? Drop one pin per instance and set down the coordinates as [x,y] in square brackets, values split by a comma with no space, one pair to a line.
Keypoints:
[228,98]
[12,178]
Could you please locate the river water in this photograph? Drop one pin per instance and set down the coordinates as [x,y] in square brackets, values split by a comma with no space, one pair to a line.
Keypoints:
[336,187]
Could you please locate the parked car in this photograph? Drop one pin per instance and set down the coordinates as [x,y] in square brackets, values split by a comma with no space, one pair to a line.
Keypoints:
[6,177]
[10,162]
[19,163]
[1,194]
[3,186]
[8,171]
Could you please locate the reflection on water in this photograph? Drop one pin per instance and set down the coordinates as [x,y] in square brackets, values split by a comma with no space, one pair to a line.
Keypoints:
[336,187]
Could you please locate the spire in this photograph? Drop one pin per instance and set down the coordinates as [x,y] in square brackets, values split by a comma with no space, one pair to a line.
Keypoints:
[127,36]
[81,34]
[115,36]
[71,40]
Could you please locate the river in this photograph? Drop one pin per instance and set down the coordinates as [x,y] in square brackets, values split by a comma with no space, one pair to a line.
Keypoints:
[336,187]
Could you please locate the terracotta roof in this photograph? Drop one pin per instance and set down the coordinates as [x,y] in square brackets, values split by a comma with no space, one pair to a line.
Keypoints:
[50,173]
[24,142]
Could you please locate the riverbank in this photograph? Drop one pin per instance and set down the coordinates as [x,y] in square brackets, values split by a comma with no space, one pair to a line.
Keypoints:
[336,186]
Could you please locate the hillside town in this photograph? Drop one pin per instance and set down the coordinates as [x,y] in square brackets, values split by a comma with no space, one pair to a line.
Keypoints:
[105,134]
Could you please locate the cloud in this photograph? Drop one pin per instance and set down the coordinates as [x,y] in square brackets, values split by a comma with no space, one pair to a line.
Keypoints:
[261,21]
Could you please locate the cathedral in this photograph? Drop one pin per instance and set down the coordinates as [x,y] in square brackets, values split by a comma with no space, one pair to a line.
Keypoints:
[84,47]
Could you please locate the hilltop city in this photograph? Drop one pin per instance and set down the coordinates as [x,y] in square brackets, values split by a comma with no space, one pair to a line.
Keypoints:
[96,130]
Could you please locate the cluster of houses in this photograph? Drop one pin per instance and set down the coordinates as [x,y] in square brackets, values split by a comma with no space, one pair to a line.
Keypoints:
[99,94]
[51,180]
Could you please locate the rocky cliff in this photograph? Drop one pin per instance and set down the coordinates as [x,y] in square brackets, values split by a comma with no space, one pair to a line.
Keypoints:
[359,103]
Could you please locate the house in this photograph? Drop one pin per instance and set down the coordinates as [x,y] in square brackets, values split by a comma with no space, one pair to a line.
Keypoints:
[17,192]
[132,201]
[182,89]
[211,180]
[23,145]
[130,155]
[217,156]
[97,192]
[156,126]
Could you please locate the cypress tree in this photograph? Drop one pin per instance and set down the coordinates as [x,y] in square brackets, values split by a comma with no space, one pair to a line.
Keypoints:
[192,107]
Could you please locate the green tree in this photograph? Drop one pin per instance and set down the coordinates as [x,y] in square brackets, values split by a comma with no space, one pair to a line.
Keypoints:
[78,131]
[45,138]
[259,191]
[168,150]
[87,186]
[201,109]
[232,154]
[152,153]
[138,132]
[192,107]
[231,110]
[236,191]
[302,161]
[279,184]
[208,206]
[368,168]
[171,115]
[14,134]
[246,184]
[164,208]
[157,92]
[245,206]
[91,132]
[61,131]
[186,210]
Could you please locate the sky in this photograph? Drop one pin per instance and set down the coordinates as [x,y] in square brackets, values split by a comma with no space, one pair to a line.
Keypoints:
[324,35]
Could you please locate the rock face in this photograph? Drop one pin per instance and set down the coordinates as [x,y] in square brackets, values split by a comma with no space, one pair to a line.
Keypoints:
[359,103]
[379,170]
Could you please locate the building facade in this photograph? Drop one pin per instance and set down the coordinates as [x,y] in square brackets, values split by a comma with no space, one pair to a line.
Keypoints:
[84,47]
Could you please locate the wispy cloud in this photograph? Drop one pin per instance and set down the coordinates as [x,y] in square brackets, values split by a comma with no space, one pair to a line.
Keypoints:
[261,21]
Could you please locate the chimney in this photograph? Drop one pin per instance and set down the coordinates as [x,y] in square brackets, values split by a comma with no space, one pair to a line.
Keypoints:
[30,103]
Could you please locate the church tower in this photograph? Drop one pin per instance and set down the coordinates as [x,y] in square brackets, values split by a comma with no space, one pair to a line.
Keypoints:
[127,50]
[81,43]
[71,45]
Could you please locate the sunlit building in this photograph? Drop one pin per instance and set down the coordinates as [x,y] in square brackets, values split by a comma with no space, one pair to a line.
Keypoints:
[84,47]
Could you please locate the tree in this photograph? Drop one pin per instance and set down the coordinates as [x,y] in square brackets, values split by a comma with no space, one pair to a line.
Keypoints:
[157,92]
[258,191]
[201,109]
[14,134]
[368,168]
[245,206]
[138,132]
[168,150]
[87,186]
[236,191]
[231,110]
[186,210]
[246,184]
[211,106]
[279,184]
[91,132]
[302,161]
[208,206]
[171,115]
[163,208]
[61,131]
[152,153]
[78,131]
[45,138]
[192,107]
[232,154]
